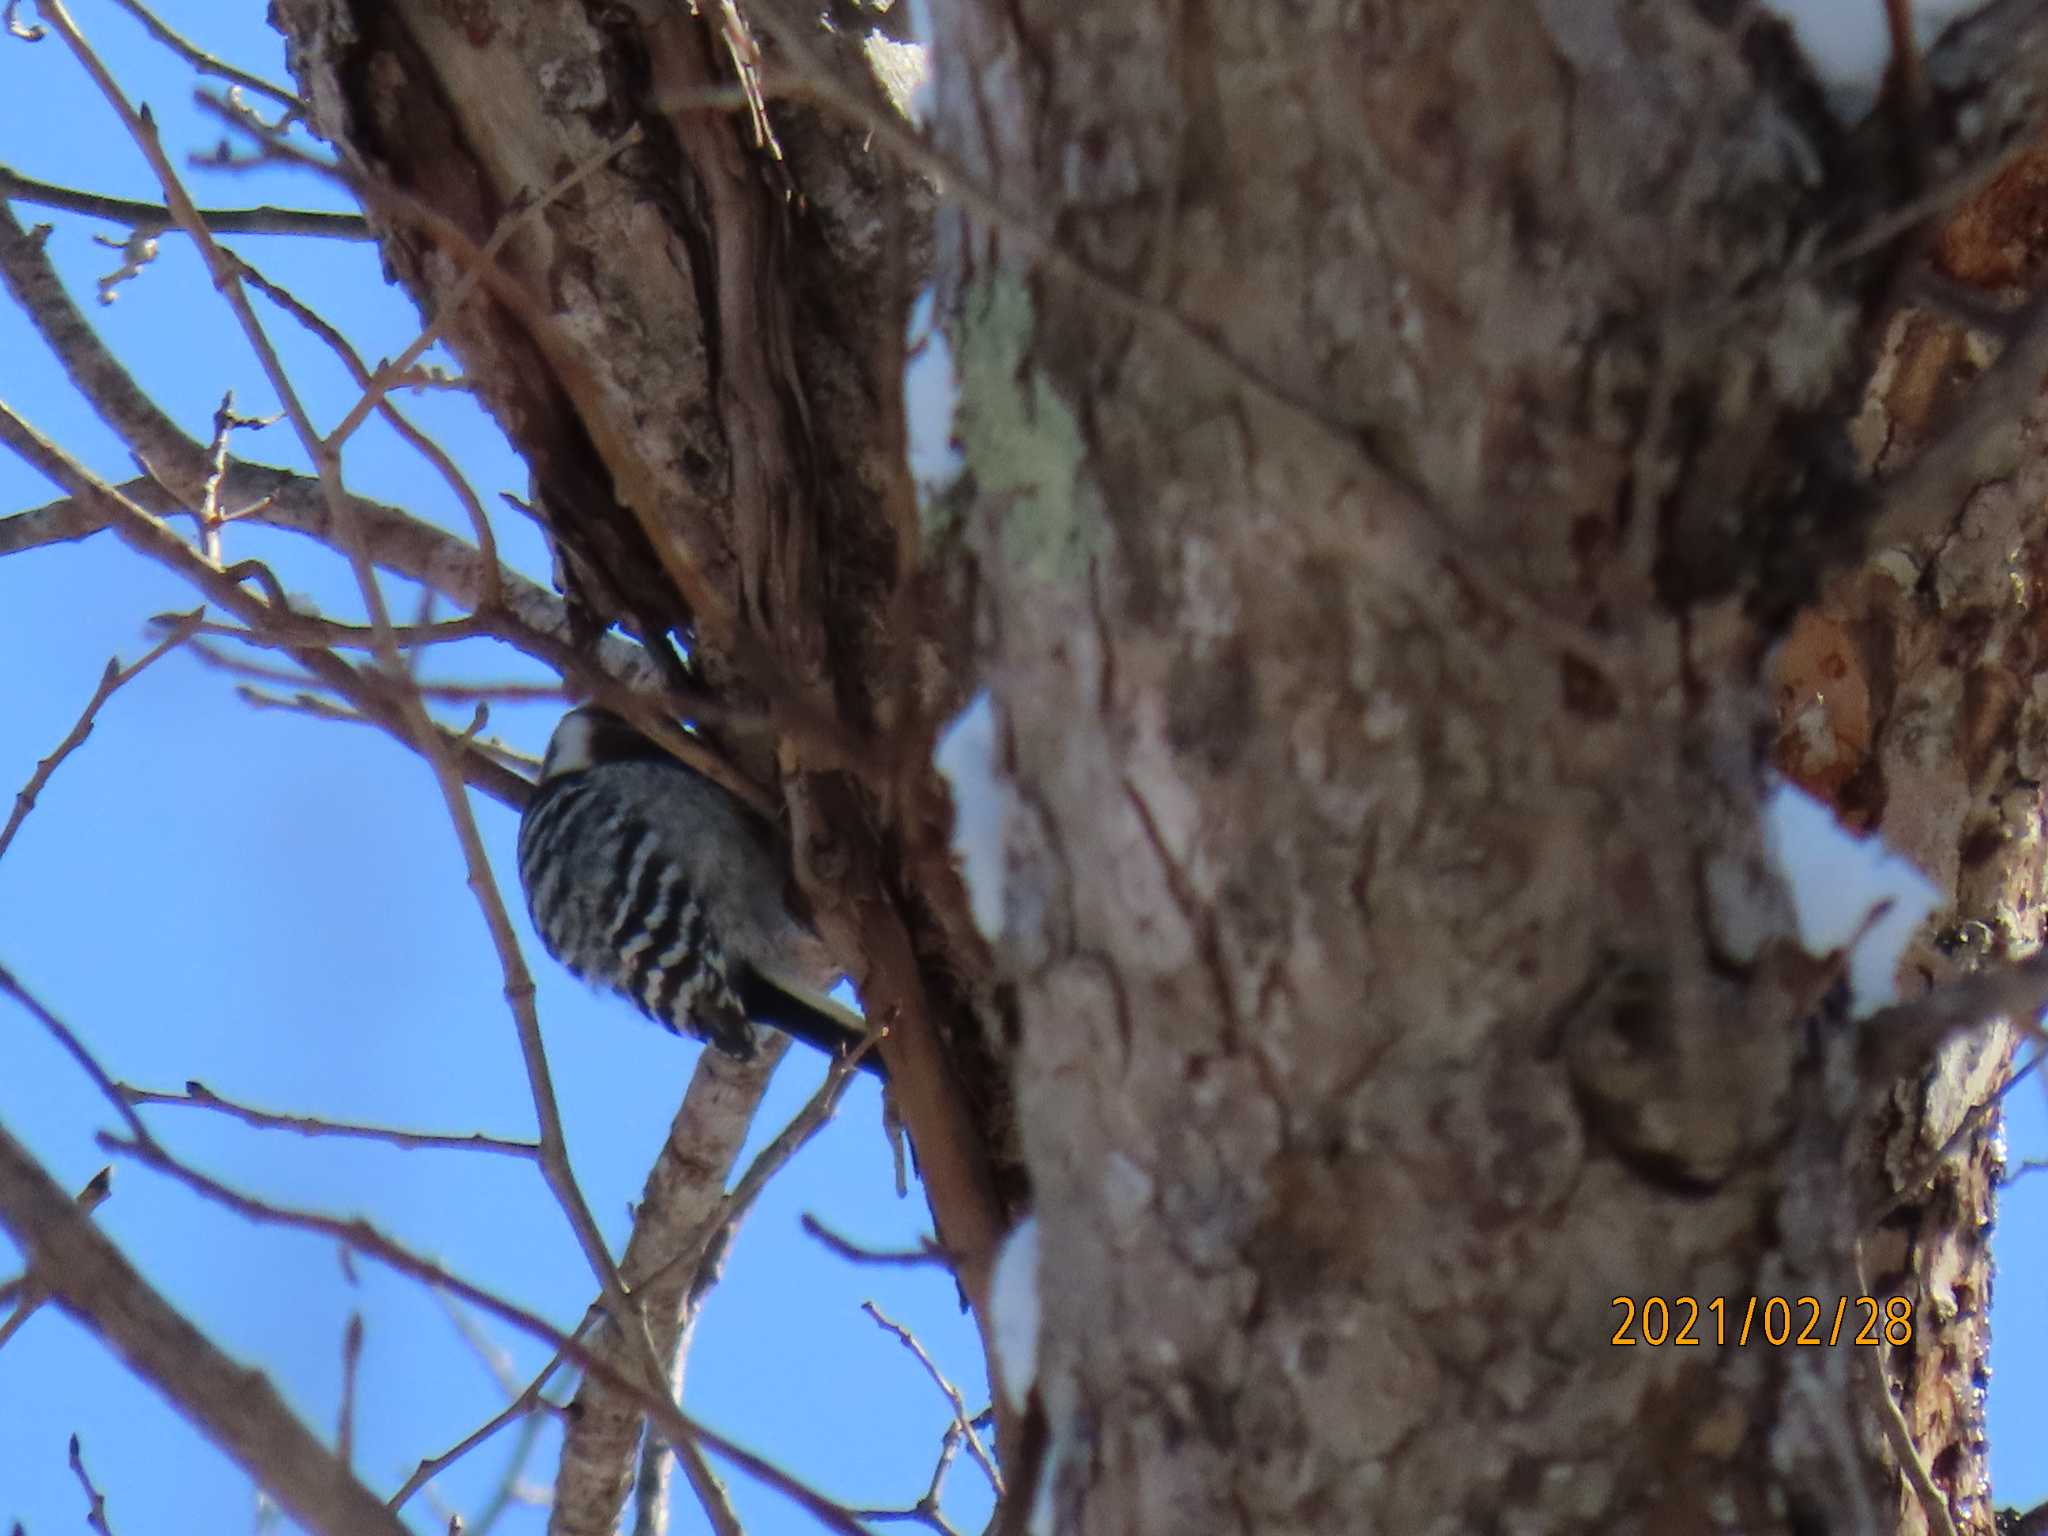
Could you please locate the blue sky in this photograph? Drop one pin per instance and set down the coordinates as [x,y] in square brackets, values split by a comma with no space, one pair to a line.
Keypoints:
[275,906]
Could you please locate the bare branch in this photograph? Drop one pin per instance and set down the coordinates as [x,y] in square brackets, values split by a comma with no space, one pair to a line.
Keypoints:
[378,389]
[76,1050]
[524,1406]
[926,1252]
[365,1239]
[706,1247]
[112,680]
[206,64]
[681,1201]
[198,1096]
[962,1420]
[351,1360]
[96,1502]
[150,537]
[26,1294]
[532,620]
[650,1398]
[156,218]
[235,1408]
[926,1510]
[711,1493]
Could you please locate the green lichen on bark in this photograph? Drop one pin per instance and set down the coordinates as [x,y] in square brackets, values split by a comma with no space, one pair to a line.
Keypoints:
[1022,442]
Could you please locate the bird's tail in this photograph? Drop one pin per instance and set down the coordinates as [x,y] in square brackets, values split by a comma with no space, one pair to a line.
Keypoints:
[810,1016]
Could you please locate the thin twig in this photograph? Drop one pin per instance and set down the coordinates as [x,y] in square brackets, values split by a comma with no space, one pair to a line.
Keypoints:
[961,1417]
[378,387]
[301,704]
[489,1353]
[452,692]
[198,1096]
[926,1252]
[26,1294]
[351,1361]
[156,218]
[525,1403]
[926,1511]
[206,64]
[76,1050]
[322,631]
[96,1502]
[148,535]
[634,480]
[112,680]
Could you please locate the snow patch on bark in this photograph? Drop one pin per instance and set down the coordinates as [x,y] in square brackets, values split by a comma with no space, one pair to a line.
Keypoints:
[931,389]
[1013,1301]
[966,759]
[1849,46]
[1848,892]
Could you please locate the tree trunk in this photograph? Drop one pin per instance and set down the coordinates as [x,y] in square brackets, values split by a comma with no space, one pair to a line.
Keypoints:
[1401,437]
[1399,440]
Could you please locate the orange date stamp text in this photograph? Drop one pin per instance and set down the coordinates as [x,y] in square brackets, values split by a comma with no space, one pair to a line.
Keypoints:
[1772,1320]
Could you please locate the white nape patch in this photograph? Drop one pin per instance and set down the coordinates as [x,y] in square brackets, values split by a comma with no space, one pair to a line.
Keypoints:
[1013,1302]
[1849,45]
[569,749]
[931,388]
[966,758]
[1839,882]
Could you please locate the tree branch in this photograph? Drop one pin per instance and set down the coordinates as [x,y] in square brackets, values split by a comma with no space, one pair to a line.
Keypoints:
[111,681]
[236,1409]
[156,219]
[198,1096]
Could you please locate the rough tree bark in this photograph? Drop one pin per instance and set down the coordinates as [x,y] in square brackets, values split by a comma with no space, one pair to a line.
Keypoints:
[1399,438]
[1381,615]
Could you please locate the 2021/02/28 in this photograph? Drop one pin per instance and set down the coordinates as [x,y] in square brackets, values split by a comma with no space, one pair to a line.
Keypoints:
[1654,1320]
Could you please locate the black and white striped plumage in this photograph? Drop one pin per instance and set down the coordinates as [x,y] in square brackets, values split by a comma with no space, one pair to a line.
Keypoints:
[648,879]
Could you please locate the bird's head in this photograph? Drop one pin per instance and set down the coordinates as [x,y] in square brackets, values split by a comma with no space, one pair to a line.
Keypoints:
[591,735]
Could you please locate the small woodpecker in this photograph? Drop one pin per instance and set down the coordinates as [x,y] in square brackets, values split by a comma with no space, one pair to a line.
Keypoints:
[647,878]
